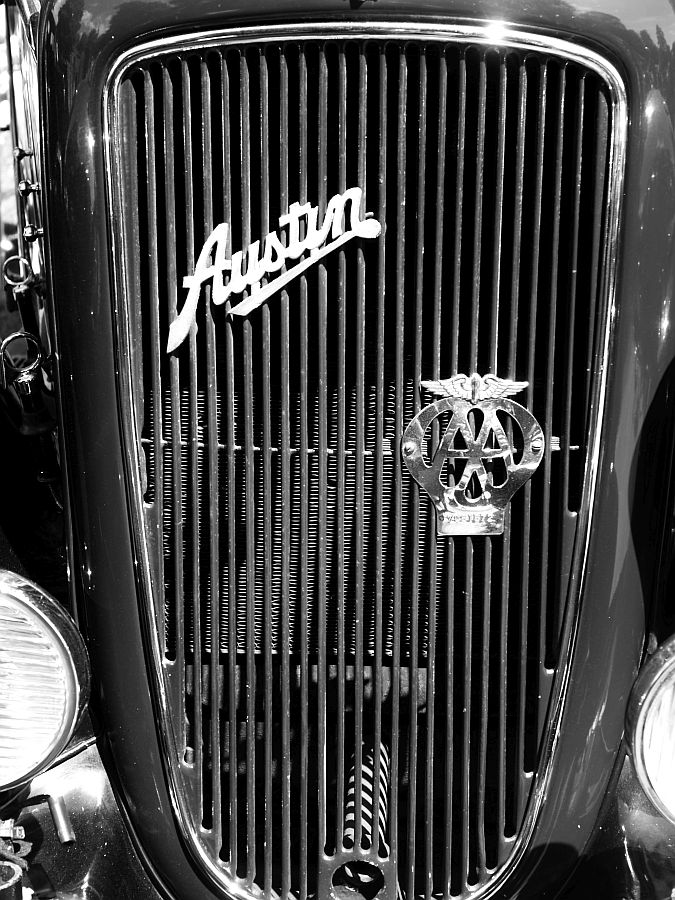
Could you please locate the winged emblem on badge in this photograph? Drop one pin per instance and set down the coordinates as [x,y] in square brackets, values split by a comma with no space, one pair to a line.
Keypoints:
[483,448]
[475,387]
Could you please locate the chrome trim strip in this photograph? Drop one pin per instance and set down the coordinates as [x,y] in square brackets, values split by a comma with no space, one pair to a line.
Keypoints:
[25,130]
[30,13]
[29,8]
[74,749]
[498,34]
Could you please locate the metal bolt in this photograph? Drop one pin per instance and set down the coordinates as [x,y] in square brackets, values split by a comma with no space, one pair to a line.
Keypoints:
[32,232]
[28,187]
[59,811]
[408,448]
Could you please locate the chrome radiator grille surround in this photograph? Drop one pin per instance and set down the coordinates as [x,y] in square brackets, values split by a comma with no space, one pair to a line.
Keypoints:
[276,521]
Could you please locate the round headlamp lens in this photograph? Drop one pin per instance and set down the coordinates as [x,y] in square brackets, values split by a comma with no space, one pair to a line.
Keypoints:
[43,679]
[658,741]
[651,729]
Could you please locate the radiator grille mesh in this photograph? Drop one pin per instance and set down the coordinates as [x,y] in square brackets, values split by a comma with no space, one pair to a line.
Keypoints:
[310,615]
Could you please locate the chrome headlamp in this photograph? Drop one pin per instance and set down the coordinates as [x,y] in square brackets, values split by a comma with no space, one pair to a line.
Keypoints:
[650,722]
[44,679]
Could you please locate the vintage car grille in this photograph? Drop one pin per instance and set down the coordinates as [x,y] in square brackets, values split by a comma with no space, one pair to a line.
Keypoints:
[328,660]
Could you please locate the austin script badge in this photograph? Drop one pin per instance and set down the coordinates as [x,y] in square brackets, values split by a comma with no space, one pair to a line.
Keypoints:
[483,449]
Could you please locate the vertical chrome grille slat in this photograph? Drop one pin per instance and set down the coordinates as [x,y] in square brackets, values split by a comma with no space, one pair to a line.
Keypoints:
[269,496]
[339,676]
[192,635]
[478,214]
[250,673]
[285,608]
[157,418]
[550,338]
[343,759]
[359,473]
[213,815]
[173,519]
[519,193]
[250,482]
[459,205]
[304,456]
[492,546]
[449,817]
[176,419]
[575,261]
[398,429]
[521,790]
[411,823]
[600,182]
[467,763]
[483,730]
[511,637]
[232,822]
[322,192]
[429,787]
[429,848]
[379,424]
[250,600]
[285,599]
[268,545]
[499,215]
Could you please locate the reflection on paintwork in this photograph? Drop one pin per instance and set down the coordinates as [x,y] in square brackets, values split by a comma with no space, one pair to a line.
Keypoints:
[665,317]
[100,863]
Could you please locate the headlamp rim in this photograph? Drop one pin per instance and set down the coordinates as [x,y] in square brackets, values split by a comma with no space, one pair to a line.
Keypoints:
[656,669]
[56,621]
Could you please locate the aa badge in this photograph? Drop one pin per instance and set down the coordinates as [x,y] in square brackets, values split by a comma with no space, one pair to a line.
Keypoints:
[484,449]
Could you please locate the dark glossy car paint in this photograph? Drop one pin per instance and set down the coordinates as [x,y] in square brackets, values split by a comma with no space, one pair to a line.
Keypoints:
[627,579]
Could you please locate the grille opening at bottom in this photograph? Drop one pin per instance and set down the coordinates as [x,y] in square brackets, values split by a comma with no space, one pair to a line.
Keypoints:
[257,770]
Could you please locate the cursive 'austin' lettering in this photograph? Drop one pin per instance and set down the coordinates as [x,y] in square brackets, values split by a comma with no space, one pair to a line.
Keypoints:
[247,268]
